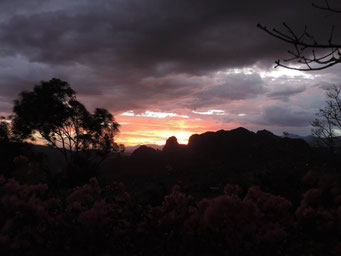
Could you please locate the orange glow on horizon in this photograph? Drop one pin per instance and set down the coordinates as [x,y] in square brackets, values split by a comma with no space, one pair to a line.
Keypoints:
[137,130]
[142,130]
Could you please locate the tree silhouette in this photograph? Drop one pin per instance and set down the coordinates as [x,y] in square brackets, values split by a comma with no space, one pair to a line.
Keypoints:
[329,118]
[4,132]
[308,51]
[51,111]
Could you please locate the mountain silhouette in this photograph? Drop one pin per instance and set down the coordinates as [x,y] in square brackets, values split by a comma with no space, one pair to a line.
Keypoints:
[145,153]
[234,147]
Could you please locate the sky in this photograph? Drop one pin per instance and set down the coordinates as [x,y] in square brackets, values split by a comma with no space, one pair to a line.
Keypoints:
[167,67]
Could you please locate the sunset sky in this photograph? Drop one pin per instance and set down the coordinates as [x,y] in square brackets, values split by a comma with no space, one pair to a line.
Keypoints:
[166,67]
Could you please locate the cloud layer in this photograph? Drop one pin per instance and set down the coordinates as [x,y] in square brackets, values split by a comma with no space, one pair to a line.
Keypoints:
[165,56]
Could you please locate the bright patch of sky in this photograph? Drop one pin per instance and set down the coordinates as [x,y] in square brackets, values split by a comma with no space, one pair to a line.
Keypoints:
[153,114]
[210,112]
[273,72]
[282,72]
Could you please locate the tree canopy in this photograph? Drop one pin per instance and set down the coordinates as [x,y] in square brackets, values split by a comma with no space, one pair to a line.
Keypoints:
[51,111]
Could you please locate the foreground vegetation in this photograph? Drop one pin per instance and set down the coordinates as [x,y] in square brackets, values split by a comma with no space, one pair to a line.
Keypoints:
[42,214]
[95,220]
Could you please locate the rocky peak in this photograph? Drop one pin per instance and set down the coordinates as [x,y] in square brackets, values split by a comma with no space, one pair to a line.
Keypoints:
[172,144]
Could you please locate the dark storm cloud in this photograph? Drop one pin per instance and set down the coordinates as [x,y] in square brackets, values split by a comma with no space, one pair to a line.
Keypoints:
[130,39]
[233,87]
[153,92]
[286,116]
[285,92]
[17,74]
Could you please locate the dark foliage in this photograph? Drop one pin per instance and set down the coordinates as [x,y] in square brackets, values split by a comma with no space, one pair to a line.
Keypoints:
[95,220]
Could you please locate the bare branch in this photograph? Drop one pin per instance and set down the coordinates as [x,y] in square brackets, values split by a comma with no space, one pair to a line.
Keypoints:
[327,7]
[309,53]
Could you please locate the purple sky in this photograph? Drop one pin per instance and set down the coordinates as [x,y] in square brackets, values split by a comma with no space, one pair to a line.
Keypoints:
[188,59]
